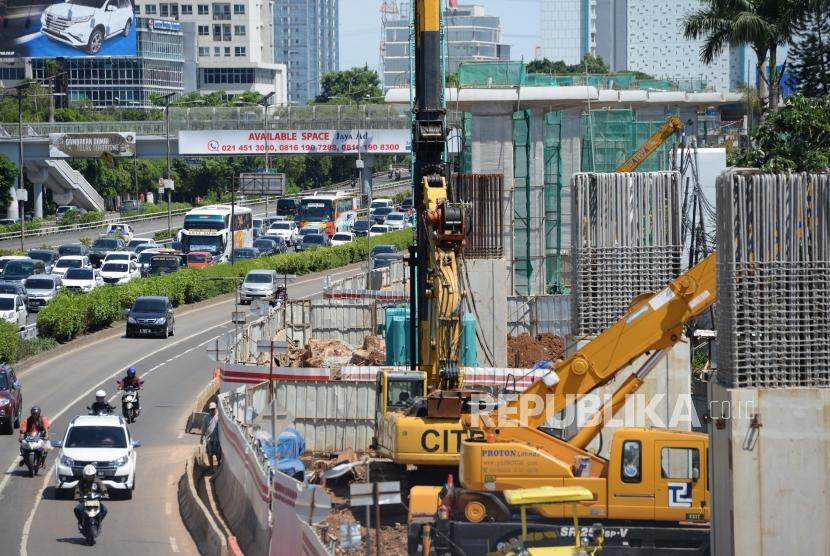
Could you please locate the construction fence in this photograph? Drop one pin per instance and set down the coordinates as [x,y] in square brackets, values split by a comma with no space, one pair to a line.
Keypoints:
[539,314]
[773,307]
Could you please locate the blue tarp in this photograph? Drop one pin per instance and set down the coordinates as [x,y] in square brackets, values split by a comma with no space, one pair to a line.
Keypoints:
[290,446]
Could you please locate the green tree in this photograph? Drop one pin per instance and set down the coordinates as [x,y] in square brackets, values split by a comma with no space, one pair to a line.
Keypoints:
[764,25]
[595,64]
[810,49]
[8,177]
[352,85]
[795,138]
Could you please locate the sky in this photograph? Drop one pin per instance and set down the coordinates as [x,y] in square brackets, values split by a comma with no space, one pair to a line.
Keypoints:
[360,28]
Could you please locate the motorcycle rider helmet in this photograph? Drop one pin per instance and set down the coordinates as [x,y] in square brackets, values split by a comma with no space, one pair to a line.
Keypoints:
[131,372]
[89,471]
[100,395]
[35,411]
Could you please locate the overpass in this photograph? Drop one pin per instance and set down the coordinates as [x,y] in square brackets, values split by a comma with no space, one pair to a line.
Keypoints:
[348,128]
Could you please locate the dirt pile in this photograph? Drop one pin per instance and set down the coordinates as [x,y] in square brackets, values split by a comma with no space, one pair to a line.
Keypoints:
[373,352]
[392,533]
[524,350]
[325,353]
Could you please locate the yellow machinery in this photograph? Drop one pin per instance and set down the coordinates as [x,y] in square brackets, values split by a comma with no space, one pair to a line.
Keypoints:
[650,475]
[673,125]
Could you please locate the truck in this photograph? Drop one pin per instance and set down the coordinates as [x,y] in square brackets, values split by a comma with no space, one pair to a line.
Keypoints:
[650,492]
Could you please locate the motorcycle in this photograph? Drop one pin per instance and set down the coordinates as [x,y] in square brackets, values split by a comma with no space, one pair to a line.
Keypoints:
[91,516]
[33,452]
[281,297]
[129,404]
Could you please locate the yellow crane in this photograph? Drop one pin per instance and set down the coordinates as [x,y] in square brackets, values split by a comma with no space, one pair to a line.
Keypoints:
[673,125]
[651,474]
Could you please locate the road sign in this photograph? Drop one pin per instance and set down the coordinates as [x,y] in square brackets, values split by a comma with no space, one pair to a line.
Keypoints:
[362,494]
[238,317]
[313,505]
[261,184]
[264,346]
[218,350]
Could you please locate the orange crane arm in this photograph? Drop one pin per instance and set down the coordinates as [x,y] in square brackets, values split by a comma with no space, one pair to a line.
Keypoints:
[654,321]
[673,125]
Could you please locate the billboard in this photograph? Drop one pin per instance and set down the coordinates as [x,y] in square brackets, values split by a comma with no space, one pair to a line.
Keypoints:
[46,29]
[91,145]
[293,141]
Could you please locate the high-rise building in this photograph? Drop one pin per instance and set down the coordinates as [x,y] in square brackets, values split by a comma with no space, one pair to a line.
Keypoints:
[569,29]
[307,42]
[471,35]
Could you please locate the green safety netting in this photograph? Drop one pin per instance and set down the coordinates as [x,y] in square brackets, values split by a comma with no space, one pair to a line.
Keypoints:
[554,279]
[609,137]
[522,266]
[491,74]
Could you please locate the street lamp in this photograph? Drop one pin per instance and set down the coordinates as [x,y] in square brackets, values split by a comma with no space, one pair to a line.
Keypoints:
[264,103]
[168,182]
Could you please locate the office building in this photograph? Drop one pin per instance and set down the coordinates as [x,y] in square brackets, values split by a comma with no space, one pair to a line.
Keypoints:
[568,29]
[471,35]
[307,42]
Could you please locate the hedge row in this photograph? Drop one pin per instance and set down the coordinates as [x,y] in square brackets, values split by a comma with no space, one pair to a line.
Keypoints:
[69,315]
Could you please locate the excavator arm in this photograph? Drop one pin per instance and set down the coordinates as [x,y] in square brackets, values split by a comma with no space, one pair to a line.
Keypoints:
[673,125]
[653,322]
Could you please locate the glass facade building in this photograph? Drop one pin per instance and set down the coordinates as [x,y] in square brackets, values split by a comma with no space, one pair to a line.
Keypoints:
[569,29]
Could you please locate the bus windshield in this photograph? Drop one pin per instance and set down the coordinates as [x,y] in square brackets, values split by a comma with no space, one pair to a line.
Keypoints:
[212,244]
[316,210]
[204,222]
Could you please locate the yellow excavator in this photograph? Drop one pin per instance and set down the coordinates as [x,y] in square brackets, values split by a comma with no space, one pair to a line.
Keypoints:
[651,489]
[673,125]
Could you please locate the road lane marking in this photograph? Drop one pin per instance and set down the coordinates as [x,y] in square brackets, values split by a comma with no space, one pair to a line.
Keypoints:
[168,508]
[173,546]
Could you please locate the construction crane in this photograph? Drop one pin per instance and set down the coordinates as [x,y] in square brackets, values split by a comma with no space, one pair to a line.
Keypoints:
[673,125]
[651,474]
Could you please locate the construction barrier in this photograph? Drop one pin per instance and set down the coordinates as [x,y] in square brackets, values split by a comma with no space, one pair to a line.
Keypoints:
[292,535]
[196,517]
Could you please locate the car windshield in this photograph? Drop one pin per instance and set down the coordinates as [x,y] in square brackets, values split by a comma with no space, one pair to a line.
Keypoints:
[150,306]
[383,211]
[8,288]
[79,274]
[145,257]
[114,267]
[379,229]
[4,383]
[245,253]
[68,263]
[70,250]
[407,203]
[39,284]
[165,261]
[383,248]
[361,225]
[45,256]
[88,3]
[259,278]
[136,242]
[395,216]
[144,247]
[105,243]
[118,257]
[341,237]
[378,204]
[6,304]
[264,244]
[19,268]
[197,258]
[313,238]
[96,437]
[280,226]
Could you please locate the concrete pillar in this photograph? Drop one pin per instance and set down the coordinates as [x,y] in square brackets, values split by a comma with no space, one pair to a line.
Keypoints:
[366,173]
[12,210]
[38,178]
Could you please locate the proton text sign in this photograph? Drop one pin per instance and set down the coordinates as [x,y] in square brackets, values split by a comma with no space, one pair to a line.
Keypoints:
[322,141]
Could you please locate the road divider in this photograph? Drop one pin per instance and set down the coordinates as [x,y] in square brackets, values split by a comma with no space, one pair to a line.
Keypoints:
[196,517]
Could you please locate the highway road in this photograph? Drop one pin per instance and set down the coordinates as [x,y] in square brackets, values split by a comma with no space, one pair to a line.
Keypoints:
[147,228]
[175,370]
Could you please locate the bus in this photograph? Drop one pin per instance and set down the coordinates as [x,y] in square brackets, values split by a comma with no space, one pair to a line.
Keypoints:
[325,209]
[206,229]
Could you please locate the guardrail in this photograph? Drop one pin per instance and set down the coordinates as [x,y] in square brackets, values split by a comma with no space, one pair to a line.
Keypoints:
[29,332]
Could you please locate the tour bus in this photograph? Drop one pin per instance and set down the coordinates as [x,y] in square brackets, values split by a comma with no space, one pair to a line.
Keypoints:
[325,209]
[206,229]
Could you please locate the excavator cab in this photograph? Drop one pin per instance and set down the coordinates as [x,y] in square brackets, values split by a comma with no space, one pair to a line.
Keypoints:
[397,391]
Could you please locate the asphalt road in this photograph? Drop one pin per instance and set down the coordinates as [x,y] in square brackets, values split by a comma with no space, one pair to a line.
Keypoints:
[175,370]
[142,228]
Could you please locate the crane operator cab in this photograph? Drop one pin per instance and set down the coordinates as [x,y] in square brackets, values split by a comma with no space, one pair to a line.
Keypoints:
[397,391]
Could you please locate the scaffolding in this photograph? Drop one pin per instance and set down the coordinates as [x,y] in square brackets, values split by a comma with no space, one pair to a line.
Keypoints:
[555,280]
[609,137]
[522,266]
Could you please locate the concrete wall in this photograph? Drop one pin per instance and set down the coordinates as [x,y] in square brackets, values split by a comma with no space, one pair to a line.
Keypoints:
[670,380]
[770,485]
[487,279]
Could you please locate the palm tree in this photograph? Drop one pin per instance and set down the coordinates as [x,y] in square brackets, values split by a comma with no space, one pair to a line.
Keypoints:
[764,25]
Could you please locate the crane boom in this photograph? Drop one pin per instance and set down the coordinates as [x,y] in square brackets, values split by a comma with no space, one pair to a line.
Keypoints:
[673,125]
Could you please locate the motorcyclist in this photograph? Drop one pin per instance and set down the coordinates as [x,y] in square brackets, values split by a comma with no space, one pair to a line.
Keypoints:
[101,404]
[36,422]
[89,483]
[132,381]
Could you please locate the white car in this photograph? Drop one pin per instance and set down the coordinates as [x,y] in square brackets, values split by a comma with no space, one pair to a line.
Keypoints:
[378,229]
[128,256]
[124,230]
[342,237]
[82,280]
[70,261]
[119,272]
[87,23]
[396,221]
[13,309]
[136,241]
[379,203]
[286,229]
[104,441]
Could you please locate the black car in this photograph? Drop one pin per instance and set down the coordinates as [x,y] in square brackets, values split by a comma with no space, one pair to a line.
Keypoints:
[151,315]
[382,248]
[266,246]
[383,260]
[281,247]
[164,264]
[406,205]
[19,269]
[361,228]
[48,256]
[245,253]
[78,249]
[15,288]
[288,207]
[103,246]
[313,241]
[380,214]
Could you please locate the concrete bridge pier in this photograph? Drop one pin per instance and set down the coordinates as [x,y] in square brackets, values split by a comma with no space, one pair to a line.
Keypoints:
[38,178]
[366,173]
[12,211]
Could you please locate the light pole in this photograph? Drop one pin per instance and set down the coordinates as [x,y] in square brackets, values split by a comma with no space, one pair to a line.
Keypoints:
[264,103]
[19,197]
[168,182]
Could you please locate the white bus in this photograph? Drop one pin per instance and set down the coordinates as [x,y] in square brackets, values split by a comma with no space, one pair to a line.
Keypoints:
[207,229]
[325,209]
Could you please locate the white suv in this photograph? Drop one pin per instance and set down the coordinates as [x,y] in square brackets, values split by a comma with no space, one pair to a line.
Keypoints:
[286,229]
[105,442]
[87,23]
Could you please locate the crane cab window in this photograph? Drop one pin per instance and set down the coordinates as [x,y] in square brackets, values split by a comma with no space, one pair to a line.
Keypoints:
[401,393]
[632,467]
[680,463]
